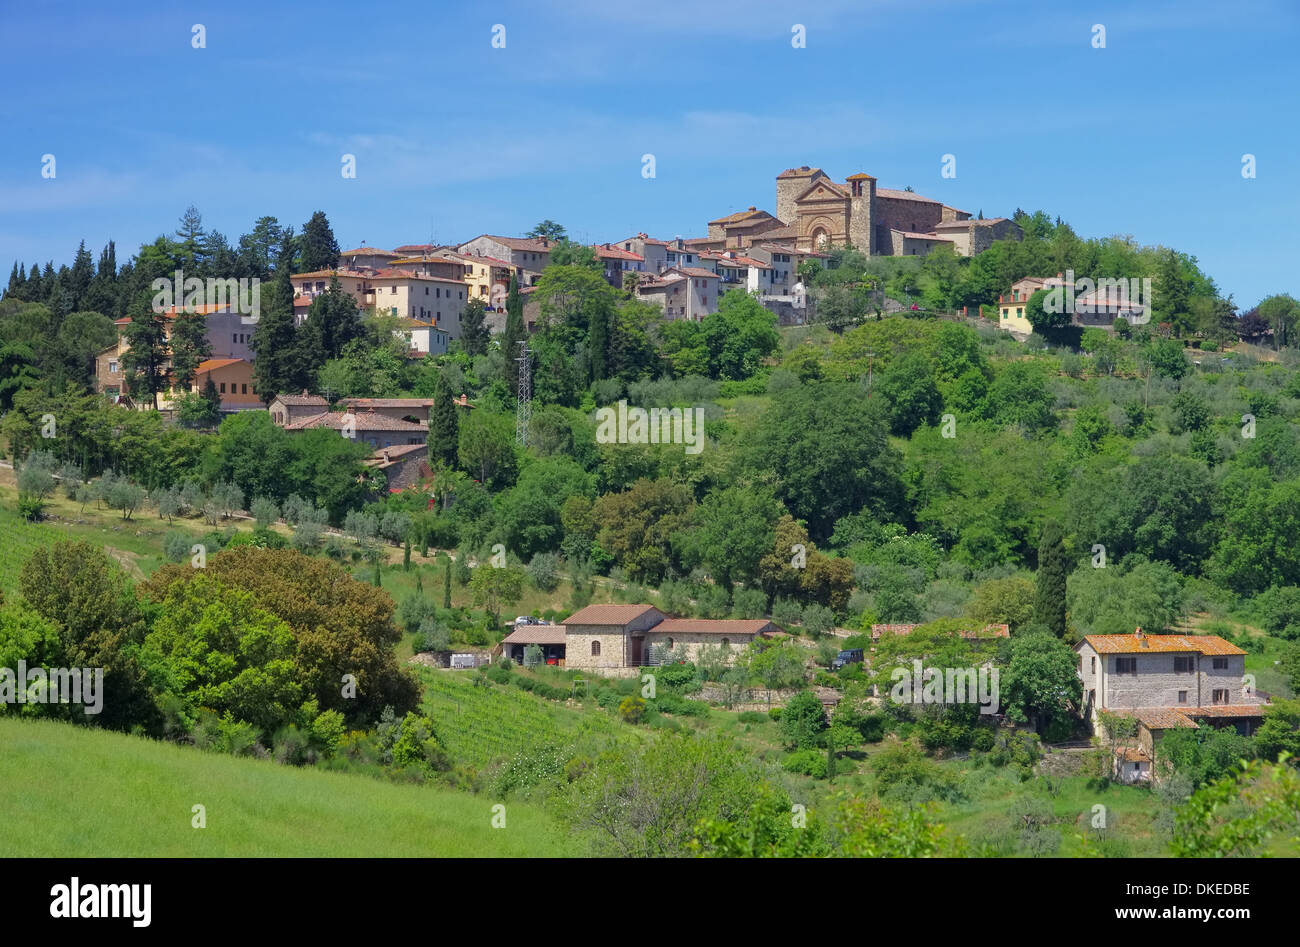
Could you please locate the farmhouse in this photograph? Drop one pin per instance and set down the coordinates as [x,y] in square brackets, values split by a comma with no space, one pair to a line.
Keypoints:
[1166,682]
[618,639]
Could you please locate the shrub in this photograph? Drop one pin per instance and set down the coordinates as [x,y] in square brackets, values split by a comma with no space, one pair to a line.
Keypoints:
[803,721]
[533,656]
[544,570]
[752,716]
[631,709]
[807,762]
[264,510]
[176,546]
[786,612]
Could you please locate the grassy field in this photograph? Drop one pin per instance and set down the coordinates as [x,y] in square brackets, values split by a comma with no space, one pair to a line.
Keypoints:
[68,791]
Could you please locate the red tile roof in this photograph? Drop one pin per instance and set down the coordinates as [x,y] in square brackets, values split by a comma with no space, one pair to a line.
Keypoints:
[520,243]
[708,626]
[607,252]
[215,363]
[364,403]
[802,172]
[536,634]
[694,271]
[371,251]
[893,195]
[301,401]
[367,421]
[609,614]
[1147,644]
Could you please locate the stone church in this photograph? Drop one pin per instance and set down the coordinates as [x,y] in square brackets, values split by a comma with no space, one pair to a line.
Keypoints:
[878,221]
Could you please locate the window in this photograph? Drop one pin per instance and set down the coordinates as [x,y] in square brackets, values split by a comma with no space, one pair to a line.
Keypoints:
[595,649]
[1093,667]
[1126,665]
[1183,665]
[112,368]
[244,389]
[1182,697]
[670,643]
[233,338]
[426,291]
[223,387]
[1221,664]
[726,643]
[1220,695]
[393,290]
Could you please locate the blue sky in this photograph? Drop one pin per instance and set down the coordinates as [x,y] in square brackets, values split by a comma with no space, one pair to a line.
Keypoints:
[454,138]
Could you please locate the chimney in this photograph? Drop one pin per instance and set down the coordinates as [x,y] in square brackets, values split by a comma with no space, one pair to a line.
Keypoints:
[1140,635]
[546,242]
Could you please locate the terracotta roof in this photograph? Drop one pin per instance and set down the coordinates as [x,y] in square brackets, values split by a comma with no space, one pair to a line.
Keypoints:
[608,614]
[301,401]
[860,176]
[905,196]
[411,274]
[1227,710]
[802,172]
[364,403]
[1133,754]
[933,238]
[214,363]
[536,634]
[956,209]
[969,223]
[1133,644]
[1161,718]
[416,248]
[366,421]
[385,456]
[778,233]
[616,253]
[322,274]
[694,271]
[371,251]
[519,243]
[741,215]
[707,626]
[477,258]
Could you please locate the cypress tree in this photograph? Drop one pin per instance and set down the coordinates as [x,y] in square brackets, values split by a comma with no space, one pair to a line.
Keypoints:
[444,426]
[1053,567]
[15,282]
[446,583]
[514,334]
[276,368]
[406,555]
[320,251]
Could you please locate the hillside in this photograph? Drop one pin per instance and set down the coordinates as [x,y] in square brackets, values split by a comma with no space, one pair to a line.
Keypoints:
[123,796]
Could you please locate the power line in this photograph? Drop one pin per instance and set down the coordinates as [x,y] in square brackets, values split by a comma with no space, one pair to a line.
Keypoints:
[524,409]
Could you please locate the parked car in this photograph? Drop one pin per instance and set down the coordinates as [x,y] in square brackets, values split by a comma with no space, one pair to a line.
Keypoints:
[844,658]
[529,620]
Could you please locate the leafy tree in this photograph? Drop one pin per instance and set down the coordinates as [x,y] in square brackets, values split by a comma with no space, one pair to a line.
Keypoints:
[548,229]
[908,387]
[1007,601]
[340,626]
[144,364]
[803,721]
[1041,681]
[828,452]
[732,527]
[637,526]
[486,448]
[495,587]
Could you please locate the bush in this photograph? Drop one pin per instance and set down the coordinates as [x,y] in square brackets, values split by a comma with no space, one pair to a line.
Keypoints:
[631,709]
[803,721]
[752,716]
[533,656]
[265,511]
[806,762]
[176,546]
[544,570]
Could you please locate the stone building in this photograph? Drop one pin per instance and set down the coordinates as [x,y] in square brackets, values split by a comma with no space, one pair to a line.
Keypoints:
[877,221]
[616,640]
[286,409]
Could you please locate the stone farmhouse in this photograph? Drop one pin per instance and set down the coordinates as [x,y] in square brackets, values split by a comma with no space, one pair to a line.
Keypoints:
[617,640]
[1165,682]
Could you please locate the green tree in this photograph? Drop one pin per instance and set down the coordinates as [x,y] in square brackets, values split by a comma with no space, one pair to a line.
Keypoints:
[317,248]
[494,587]
[474,333]
[444,425]
[1050,587]
[1041,681]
